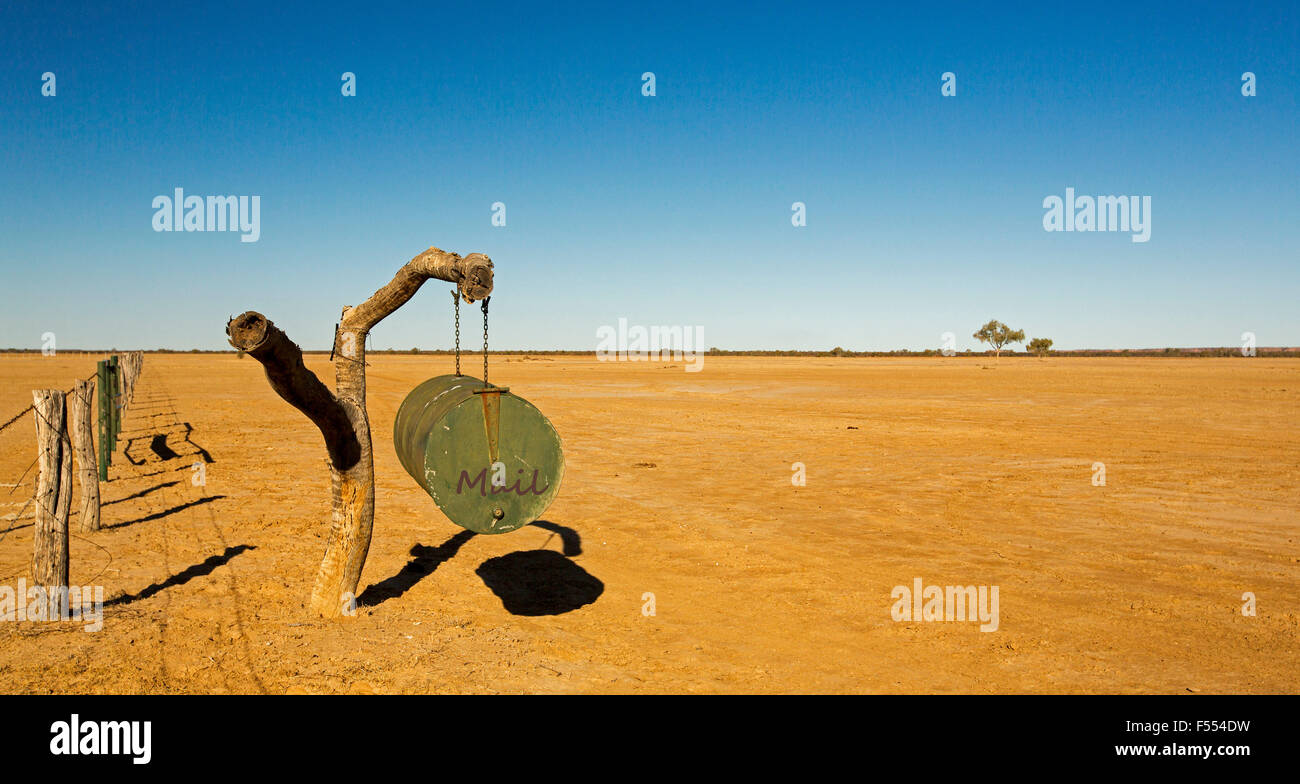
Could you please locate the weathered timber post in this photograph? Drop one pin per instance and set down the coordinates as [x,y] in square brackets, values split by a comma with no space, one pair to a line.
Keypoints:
[131,363]
[341,415]
[83,445]
[53,490]
[139,368]
[119,392]
[123,381]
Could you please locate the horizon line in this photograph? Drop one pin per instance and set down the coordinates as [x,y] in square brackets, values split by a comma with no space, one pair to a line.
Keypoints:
[716,351]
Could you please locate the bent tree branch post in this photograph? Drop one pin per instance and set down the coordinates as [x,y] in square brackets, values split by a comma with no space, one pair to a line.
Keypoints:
[341,415]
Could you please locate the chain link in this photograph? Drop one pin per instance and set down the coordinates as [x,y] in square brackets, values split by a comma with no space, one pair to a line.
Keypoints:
[455,299]
[485,339]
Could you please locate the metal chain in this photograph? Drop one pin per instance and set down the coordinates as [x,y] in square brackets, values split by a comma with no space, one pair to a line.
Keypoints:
[455,298]
[485,339]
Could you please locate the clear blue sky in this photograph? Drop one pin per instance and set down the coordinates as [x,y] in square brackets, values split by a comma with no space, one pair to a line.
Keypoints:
[924,212]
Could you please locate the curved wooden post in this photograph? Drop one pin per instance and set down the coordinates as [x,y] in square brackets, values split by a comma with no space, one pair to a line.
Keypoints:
[341,415]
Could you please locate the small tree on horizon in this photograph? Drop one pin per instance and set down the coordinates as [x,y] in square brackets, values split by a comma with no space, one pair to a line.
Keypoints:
[998,335]
[1040,346]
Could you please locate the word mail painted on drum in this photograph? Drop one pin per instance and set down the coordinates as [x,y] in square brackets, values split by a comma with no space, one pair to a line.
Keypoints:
[441,435]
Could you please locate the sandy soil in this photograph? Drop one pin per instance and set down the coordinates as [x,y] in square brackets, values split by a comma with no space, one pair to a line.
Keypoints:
[679,484]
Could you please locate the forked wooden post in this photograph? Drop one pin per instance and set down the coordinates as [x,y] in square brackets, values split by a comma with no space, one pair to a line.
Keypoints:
[83,445]
[341,415]
[53,490]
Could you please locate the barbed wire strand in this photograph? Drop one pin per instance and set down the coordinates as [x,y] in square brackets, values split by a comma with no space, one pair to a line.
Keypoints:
[67,443]
[32,407]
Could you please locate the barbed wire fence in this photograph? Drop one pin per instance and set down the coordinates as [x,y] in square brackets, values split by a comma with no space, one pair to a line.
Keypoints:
[114,383]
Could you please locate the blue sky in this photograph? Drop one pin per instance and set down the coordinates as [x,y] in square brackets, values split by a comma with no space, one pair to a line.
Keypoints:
[924,213]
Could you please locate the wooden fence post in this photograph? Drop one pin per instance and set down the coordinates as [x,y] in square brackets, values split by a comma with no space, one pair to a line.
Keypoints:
[123,380]
[130,370]
[83,445]
[139,367]
[129,378]
[53,489]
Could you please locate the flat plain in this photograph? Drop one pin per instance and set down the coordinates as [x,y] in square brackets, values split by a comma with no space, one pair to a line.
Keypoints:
[678,497]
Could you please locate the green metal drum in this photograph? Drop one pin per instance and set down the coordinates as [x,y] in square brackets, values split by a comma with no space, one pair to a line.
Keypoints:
[489,459]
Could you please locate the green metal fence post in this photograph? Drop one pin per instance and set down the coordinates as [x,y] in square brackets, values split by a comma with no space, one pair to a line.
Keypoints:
[115,374]
[104,417]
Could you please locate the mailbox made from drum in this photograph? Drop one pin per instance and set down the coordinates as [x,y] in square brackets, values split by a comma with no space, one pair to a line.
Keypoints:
[442,435]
